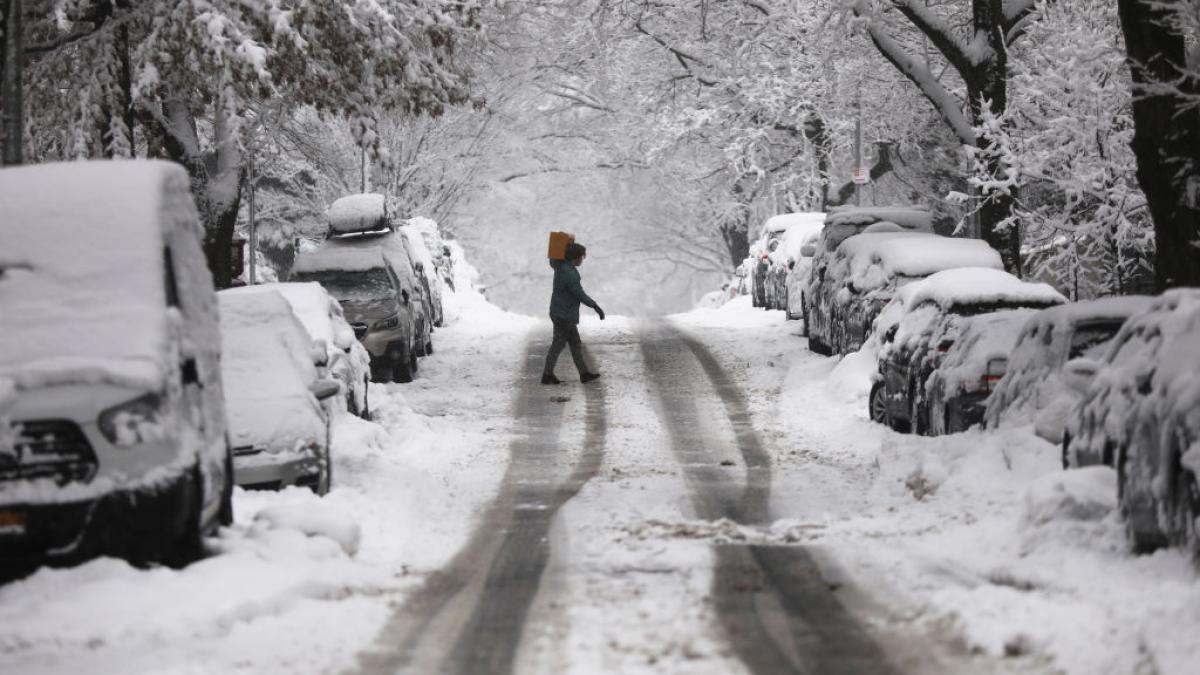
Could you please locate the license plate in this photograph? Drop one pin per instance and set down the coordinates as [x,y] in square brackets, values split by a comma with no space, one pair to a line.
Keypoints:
[12,522]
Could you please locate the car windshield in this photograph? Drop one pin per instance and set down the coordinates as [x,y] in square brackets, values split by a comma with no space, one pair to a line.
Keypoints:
[1092,335]
[369,284]
[976,308]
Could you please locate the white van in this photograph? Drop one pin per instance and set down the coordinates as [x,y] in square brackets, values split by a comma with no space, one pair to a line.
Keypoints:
[109,338]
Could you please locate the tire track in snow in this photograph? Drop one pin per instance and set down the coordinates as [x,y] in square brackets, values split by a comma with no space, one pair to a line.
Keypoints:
[469,617]
[778,613]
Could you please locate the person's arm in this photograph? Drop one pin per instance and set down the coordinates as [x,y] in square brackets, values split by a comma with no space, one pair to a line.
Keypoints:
[576,288]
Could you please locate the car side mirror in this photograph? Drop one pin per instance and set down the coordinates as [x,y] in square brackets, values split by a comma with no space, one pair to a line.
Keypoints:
[320,353]
[808,250]
[1079,373]
[324,389]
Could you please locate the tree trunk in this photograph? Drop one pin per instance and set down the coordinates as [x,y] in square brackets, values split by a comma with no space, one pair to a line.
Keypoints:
[988,85]
[1166,139]
[217,194]
[12,99]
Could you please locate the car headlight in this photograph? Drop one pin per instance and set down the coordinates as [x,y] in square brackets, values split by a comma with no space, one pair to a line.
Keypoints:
[390,322]
[134,422]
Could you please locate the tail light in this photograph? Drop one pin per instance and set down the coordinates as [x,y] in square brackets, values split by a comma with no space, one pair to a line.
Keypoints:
[995,370]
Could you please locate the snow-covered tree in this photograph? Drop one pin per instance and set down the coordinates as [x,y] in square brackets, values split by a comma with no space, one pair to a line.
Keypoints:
[1062,150]
[181,79]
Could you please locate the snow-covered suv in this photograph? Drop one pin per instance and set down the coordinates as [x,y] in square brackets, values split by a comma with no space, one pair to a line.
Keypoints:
[1140,413]
[109,334]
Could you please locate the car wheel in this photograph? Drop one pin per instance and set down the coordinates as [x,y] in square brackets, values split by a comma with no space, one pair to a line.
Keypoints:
[189,546]
[225,514]
[325,477]
[804,315]
[413,359]
[402,370]
[877,405]
[383,370]
[1066,451]
[1141,523]
[1186,510]
[817,346]
[429,347]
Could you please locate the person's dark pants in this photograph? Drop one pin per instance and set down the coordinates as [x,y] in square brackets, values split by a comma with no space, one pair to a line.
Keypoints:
[565,333]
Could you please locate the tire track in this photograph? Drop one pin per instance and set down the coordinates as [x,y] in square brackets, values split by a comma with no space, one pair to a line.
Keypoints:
[777,612]
[469,618]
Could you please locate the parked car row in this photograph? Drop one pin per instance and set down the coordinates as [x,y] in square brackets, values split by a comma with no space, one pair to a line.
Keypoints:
[960,342]
[133,396]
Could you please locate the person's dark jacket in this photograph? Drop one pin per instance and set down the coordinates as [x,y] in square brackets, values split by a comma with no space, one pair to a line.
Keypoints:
[568,293]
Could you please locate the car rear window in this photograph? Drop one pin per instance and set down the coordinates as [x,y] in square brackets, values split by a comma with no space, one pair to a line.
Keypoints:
[1091,335]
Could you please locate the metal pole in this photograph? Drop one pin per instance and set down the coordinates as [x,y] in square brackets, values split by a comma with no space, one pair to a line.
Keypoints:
[362,169]
[252,235]
[858,144]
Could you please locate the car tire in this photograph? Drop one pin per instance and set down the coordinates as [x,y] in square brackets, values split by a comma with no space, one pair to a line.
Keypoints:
[429,347]
[1141,524]
[416,365]
[189,546]
[1066,451]
[804,315]
[877,405]
[815,345]
[325,477]
[402,370]
[225,514]
[1185,509]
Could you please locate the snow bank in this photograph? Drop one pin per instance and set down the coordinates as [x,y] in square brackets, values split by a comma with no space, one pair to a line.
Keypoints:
[1089,493]
[358,213]
[315,521]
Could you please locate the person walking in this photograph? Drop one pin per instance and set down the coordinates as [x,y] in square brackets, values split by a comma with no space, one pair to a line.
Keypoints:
[564,314]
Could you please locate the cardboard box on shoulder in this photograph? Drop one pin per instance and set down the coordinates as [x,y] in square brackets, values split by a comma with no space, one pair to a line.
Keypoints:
[558,245]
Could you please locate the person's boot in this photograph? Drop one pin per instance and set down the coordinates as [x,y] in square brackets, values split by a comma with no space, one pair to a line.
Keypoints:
[549,378]
[588,377]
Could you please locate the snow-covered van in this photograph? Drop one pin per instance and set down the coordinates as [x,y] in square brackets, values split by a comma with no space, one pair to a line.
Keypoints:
[109,337]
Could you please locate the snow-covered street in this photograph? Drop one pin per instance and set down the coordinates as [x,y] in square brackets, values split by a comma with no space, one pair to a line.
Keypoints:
[718,504]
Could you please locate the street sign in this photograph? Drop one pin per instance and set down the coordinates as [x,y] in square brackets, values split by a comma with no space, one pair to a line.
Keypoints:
[861,176]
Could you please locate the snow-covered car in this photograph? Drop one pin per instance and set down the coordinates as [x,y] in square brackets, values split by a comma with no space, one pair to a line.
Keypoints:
[935,313]
[426,269]
[782,249]
[841,224]
[970,369]
[361,221]
[1140,413]
[374,302]
[798,251]
[1033,388]
[273,392]
[865,271]
[346,359]
[109,343]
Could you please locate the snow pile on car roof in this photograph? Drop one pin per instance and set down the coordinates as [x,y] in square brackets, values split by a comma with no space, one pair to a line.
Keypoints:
[977,285]
[310,302]
[783,221]
[876,257]
[908,217]
[795,237]
[358,213]
[330,259]
[81,269]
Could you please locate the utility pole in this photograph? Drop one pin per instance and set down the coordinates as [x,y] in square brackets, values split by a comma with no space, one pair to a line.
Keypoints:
[250,227]
[362,169]
[858,146]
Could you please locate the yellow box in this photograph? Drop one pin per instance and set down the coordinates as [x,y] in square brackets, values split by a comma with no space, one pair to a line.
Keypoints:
[558,245]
